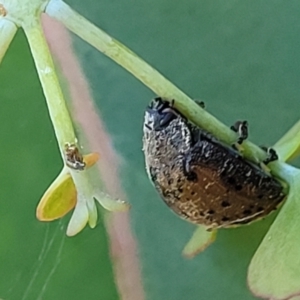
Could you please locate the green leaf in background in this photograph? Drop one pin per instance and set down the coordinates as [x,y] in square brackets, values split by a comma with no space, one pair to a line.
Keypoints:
[274,271]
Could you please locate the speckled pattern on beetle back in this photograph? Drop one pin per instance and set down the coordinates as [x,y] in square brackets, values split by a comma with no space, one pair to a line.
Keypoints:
[200,178]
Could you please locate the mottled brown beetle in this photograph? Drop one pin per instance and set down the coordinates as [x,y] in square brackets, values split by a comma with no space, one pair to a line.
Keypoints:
[201,179]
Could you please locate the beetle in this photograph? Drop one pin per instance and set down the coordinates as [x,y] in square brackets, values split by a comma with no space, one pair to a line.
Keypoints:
[200,178]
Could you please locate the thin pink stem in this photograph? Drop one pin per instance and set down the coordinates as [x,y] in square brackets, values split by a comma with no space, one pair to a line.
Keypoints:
[123,244]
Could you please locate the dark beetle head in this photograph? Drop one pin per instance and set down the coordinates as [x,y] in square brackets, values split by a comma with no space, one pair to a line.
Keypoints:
[159,114]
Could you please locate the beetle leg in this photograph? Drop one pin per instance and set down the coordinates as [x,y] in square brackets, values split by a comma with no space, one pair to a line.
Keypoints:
[200,103]
[271,155]
[241,127]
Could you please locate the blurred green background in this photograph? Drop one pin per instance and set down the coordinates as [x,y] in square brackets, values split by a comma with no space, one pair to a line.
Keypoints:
[240,57]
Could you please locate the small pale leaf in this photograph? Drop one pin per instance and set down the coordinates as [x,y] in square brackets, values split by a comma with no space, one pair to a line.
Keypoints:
[274,271]
[79,218]
[93,215]
[199,241]
[91,159]
[111,204]
[59,199]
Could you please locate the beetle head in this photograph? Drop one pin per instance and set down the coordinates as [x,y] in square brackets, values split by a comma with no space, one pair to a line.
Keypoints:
[159,114]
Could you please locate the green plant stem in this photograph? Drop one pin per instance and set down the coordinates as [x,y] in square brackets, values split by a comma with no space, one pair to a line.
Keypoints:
[59,114]
[146,74]
[56,104]
[7,32]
